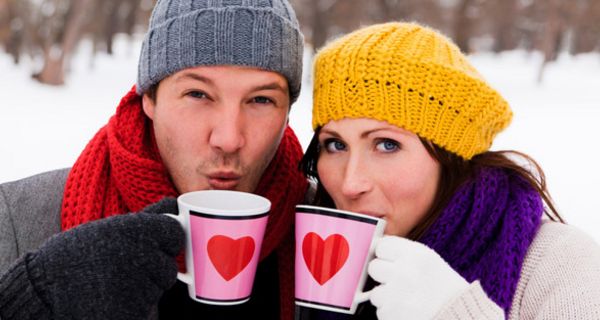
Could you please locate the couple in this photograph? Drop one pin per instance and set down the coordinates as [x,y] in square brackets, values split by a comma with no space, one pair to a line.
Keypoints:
[403,124]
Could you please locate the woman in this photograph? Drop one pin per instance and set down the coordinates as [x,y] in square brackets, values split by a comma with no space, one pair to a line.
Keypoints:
[403,125]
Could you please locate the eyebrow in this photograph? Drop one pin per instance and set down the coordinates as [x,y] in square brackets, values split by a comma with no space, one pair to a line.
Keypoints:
[329,132]
[266,86]
[364,134]
[189,75]
[368,132]
[270,86]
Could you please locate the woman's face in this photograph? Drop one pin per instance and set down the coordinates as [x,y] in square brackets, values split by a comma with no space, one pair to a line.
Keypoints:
[375,168]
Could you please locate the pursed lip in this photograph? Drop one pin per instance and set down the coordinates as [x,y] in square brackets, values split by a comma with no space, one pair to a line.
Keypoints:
[370,213]
[223,180]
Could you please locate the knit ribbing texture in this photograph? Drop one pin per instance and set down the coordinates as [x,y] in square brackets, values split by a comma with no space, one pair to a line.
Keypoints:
[412,77]
[264,34]
[19,299]
[486,229]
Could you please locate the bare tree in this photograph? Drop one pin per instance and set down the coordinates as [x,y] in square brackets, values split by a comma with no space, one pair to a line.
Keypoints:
[112,17]
[504,14]
[12,27]
[319,22]
[556,22]
[462,24]
[51,29]
[390,10]
[586,29]
[57,51]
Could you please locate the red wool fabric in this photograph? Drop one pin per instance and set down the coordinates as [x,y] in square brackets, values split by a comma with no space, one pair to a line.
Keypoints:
[120,171]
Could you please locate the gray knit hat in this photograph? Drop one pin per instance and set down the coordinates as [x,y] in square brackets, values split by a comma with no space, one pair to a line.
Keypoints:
[188,33]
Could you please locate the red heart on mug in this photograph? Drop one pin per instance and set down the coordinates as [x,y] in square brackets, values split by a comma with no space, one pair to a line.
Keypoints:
[324,258]
[230,256]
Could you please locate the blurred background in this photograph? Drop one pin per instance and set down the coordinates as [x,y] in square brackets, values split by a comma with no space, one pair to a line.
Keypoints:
[50,30]
[65,64]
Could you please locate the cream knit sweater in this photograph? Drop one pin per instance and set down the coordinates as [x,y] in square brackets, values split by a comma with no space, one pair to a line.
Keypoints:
[560,279]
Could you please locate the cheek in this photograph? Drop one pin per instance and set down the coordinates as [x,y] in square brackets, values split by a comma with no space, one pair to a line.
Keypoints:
[413,193]
[179,135]
[330,175]
[263,134]
[411,181]
[181,121]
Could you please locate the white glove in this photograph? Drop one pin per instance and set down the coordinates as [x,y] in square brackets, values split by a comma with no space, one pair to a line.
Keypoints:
[415,281]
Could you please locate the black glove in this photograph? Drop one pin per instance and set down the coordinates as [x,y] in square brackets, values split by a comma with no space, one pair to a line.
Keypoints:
[166,205]
[114,268]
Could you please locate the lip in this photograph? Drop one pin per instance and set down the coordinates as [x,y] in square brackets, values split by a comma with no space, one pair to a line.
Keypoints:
[370,213]
[223,180]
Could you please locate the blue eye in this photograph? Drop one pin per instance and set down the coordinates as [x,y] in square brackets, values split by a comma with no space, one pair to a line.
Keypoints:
[334,145]
[262,100]
[387,145]
[197,94]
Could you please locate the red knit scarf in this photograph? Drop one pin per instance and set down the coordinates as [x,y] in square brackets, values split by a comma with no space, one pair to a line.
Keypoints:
[120,171]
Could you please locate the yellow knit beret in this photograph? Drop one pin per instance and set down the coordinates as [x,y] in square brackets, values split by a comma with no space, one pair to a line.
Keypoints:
[412,77]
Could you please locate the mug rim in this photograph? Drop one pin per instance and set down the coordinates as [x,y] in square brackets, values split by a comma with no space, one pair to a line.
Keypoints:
[262,205]
[339,213]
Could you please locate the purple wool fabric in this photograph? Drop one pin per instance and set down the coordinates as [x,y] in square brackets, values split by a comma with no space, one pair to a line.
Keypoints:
[486,229]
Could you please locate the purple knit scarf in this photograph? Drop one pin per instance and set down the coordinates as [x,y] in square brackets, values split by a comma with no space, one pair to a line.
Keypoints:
[486,229]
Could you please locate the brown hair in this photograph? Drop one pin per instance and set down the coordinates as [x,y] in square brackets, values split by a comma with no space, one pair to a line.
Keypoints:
[151,92]
[455,171]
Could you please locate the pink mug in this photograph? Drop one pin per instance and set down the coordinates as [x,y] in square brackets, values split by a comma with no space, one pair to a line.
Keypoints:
[333,248]
[224,232]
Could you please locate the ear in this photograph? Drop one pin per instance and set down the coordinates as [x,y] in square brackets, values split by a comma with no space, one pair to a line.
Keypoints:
[149,106]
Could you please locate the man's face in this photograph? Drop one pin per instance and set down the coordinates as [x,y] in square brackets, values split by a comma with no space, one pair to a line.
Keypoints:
[218,127]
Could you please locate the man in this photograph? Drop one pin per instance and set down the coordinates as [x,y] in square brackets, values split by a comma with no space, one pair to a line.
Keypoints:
[215,83]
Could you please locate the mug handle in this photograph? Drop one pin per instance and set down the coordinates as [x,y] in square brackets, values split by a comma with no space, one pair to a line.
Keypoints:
[187,276]
[361,296]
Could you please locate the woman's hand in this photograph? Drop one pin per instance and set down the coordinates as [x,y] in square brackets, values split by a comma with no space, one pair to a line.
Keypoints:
[416,282]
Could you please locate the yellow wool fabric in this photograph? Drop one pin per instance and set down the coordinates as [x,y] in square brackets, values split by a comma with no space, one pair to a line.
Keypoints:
[413,77]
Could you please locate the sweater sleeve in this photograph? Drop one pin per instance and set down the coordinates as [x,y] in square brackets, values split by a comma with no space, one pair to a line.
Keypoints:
[8,248]
[29,213]
[473,303]
[19,299]
[560,278]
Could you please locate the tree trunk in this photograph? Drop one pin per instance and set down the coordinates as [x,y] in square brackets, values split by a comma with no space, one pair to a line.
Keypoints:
[505,17]
[387,13]
[320,25]
[462,25]
[53,71]
[111,24]
[14,28]
[586,29]
[131,15]
[551,37]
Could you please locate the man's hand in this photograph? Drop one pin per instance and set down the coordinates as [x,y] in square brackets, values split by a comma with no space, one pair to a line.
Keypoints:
[114,268]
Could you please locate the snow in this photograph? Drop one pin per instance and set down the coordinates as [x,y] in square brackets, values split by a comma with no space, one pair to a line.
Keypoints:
[557,121]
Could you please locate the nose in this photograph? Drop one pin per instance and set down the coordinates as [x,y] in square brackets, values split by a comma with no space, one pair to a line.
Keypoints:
[356,180]
[227,134]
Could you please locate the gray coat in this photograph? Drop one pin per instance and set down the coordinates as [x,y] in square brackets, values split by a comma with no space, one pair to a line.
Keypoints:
[29,213]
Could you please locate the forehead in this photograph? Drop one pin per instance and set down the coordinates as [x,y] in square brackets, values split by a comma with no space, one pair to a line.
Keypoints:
[241,74]
[362,126]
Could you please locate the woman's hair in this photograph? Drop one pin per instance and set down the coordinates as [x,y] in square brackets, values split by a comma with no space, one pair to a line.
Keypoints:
[455,171]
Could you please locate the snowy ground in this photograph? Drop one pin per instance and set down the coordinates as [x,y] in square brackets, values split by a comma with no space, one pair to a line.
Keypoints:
[556,122]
